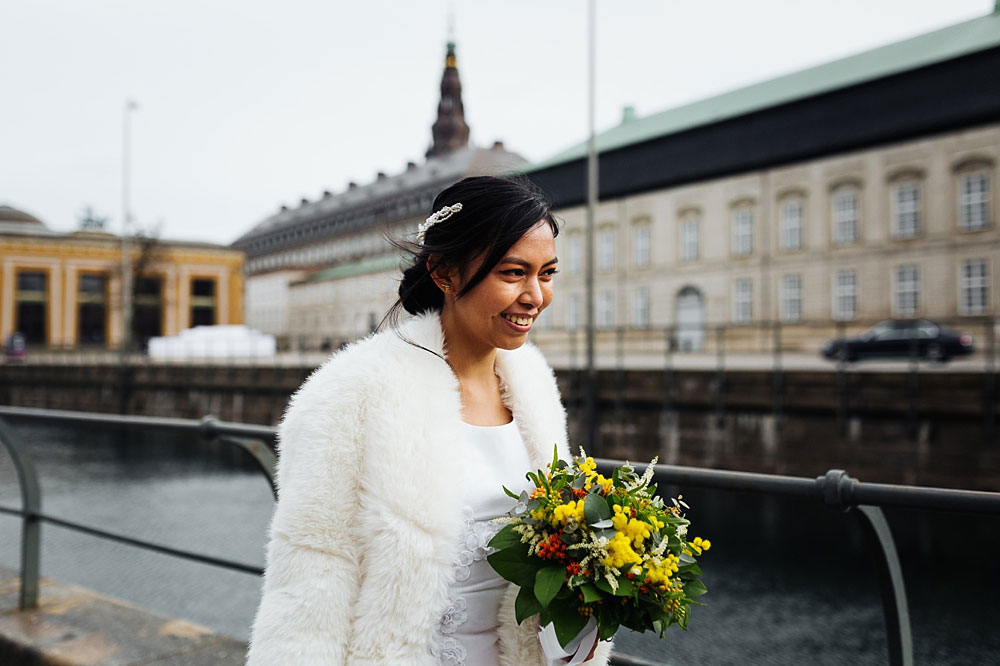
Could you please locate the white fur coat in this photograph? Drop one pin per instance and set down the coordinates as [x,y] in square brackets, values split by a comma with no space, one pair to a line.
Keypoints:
[366,527]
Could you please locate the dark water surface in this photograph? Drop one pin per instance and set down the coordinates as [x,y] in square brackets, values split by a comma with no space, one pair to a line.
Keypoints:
[789,582]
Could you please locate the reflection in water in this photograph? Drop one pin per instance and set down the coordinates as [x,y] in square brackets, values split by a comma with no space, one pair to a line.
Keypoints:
[789,581]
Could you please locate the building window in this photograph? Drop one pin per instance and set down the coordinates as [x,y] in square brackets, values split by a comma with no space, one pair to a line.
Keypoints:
[742,300]
[845,295]
[606,250]
[689,239]
[147,312]
[846,215]
[791,225]
[605,309]
[791,298]
[975,287]
[907,290]
[32,301]
[640,245]
[640,307]
[905,210]
[742,232]
[574,252]
[974,201]
[203,302]
[92,310]
[574,312]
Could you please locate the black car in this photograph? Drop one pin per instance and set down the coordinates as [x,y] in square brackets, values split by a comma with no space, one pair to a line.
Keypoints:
[901,338]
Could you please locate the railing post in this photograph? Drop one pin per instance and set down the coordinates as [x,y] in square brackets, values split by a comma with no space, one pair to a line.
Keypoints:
[778,378]
[31,507]
[990,383]
[720,375]
[837,489]
[262,454]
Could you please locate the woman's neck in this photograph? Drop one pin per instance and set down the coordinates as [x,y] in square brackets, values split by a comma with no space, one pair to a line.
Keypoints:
[474,366]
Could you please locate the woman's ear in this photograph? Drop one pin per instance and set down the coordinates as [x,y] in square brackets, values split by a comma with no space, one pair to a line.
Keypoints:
[444,277]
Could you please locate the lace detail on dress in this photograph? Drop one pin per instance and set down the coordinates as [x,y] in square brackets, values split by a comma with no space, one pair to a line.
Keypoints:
[475,535]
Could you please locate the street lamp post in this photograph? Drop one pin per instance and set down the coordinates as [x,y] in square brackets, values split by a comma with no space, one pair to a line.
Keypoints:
[126,241]
[590,395]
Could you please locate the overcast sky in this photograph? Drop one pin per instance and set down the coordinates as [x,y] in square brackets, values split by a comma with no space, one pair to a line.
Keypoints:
[246,105]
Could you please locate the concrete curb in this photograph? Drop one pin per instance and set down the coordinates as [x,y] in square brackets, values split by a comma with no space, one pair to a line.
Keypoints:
[73,626]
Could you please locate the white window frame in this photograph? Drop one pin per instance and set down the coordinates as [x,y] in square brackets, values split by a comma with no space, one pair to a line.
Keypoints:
[791,298]
[690,239]
[742,300]
[606,250]
[640,307]
[907,300]
[574,312]
[641,237]
[790,225]
[845,212]
[974,205]
[906,209]
[574,252]
[742,228]
[845,295]
[605,310]
[974,298]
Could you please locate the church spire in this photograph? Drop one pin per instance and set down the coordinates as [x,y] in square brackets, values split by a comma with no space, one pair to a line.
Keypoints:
[449,131]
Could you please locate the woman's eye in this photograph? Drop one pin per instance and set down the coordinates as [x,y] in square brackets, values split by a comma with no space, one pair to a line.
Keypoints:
[516,272]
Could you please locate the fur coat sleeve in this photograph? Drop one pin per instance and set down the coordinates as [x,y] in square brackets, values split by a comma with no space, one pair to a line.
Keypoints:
[366,526]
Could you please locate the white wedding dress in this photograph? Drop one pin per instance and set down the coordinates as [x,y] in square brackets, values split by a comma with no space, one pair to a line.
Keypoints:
[493,456]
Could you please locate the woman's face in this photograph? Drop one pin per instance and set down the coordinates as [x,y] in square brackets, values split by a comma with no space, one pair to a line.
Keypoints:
[499,311]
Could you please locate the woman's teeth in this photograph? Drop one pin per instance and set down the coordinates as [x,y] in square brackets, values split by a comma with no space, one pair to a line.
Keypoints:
[520,321]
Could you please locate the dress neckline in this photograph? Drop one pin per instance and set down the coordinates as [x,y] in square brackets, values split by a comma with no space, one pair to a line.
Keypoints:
[503,425]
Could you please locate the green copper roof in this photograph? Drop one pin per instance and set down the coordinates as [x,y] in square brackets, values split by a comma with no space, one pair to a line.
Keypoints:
[355,268]
[978,34]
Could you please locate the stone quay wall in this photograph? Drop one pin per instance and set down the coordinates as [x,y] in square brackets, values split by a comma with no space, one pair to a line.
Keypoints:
[931,428]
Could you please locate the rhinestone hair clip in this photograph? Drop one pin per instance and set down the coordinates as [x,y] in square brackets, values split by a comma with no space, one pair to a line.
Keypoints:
[439,216]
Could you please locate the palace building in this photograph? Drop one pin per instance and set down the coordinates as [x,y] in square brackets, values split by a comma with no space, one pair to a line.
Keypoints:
[863,189]
[322,272]
[63,290]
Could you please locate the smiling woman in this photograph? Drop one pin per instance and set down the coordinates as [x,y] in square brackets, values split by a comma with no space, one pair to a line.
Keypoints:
[394,454]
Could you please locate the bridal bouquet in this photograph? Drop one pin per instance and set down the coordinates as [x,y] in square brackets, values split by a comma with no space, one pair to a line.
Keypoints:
[581,545]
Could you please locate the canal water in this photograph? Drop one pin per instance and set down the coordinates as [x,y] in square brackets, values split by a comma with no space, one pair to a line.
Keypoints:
[789,582]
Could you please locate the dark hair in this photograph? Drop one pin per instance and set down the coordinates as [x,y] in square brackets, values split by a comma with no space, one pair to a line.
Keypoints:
[496,213]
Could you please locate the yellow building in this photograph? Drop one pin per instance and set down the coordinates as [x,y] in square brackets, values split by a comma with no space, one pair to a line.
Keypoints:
[63,290]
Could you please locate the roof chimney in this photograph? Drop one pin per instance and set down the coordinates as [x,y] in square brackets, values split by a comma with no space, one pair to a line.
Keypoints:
[498,145]
[410,166]
[352,185]
[380,176]
[628,112]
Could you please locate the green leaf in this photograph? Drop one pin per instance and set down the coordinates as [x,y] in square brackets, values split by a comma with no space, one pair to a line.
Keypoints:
[505,538]
[511,563]
[602,524]
[682,618]
[568,622]
[695,588]
[602,584]
[547,583]
[590,592]
[625,587]
[608,629]
[510,493]
[555,456]
[525,605]
[595,509]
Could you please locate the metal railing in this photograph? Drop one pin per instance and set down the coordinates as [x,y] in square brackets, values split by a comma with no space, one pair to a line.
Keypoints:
[253,439]
[836,489]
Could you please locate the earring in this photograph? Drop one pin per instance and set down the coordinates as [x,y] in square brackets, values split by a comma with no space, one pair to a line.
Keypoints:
[446,287]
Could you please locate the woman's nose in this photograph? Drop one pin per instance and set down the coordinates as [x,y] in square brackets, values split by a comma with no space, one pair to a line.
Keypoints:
[532,294]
